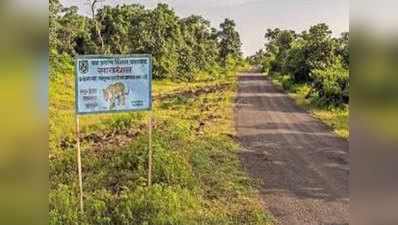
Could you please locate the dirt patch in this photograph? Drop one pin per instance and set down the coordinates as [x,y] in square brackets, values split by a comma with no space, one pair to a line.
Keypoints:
[116,138]
[99,140]
[192,93]
[122,138]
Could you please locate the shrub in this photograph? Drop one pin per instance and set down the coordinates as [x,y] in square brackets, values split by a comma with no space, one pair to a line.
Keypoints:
[303,90]
[230,64]
[63,206]
[287,82]
[331,85]
[158,204]
[60,64]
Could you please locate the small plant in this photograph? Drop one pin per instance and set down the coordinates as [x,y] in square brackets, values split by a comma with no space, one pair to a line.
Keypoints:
[287,82]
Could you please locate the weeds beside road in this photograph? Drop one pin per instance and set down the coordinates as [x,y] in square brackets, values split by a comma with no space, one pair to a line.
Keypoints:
[335,117]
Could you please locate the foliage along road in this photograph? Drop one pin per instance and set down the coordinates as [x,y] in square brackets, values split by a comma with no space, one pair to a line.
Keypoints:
[302,164]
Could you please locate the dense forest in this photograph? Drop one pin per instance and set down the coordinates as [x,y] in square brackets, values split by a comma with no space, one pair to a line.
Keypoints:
[313,57]
[181,47]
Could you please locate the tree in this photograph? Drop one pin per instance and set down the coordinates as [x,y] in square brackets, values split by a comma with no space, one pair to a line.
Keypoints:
[279,43]
[179,47]
[230,44]
[342,48]
[116,27]
[93,5]
[272,34]
[313,57]
[318,47]
[299,54]
[164,41]
[55,8]
[71,25]
[198,36]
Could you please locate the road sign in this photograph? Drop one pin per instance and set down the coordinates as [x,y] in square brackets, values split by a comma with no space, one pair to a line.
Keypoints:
[115,83]
[108,84]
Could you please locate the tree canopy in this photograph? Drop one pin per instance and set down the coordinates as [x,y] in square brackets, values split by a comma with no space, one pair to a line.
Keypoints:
[230,44]
[313,57]
[180,47]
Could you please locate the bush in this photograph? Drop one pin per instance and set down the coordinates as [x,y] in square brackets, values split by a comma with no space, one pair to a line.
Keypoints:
[60,64]
[331,85]
[287,82]
[303,90]
[158,204]
[230,64]
[313,58]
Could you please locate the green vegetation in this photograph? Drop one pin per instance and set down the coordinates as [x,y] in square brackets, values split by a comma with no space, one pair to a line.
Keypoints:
[335,117]
[313,67]
[196,175]
[313,57]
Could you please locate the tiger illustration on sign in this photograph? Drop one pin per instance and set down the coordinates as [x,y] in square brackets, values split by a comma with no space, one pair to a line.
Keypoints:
[115,95]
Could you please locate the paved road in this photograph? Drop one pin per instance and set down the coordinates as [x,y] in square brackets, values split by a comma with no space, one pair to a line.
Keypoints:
[304,167]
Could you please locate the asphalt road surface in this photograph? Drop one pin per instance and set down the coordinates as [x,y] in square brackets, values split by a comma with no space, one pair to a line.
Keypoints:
[303,165]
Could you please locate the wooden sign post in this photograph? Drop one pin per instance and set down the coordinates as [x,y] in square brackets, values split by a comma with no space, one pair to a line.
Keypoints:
[150,149]
[111,84]
[79,164]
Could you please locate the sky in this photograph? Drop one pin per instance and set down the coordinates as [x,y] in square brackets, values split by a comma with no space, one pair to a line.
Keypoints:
[253,17]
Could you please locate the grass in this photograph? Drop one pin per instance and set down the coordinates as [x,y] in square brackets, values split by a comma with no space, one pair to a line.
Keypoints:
[336,118]
[197,178]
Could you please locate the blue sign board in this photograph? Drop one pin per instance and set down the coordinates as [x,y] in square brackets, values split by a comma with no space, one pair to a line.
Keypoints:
[115,83]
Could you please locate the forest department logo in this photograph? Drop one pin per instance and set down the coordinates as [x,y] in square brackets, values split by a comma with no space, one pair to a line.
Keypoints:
[83,66]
